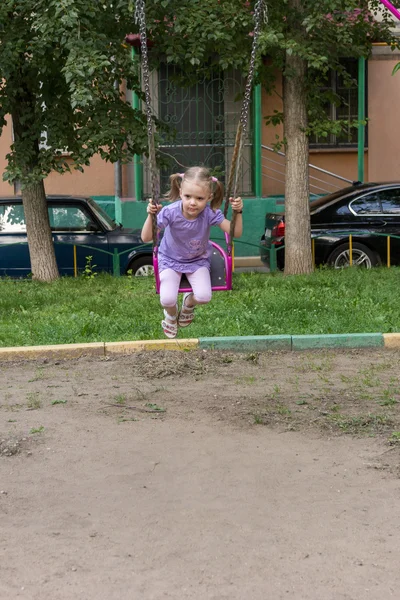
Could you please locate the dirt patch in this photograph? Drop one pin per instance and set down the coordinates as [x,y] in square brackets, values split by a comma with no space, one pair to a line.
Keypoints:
[201,475]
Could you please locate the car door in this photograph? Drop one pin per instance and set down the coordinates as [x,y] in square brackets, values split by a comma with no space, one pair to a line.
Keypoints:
[14,252]
[390,201]
[378,210]
[74,226]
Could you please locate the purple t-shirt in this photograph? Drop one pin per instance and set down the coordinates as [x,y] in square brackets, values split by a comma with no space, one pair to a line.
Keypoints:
[185,246]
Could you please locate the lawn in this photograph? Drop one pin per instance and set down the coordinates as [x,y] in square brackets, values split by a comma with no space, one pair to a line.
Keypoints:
[106,308]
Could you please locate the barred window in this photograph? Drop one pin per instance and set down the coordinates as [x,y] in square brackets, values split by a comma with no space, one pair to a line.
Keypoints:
[345,110]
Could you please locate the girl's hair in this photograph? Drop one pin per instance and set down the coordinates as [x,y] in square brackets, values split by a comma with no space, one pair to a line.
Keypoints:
[201,176]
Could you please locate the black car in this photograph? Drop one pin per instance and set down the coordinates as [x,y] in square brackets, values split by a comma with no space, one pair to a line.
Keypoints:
[370,212]
[81,228]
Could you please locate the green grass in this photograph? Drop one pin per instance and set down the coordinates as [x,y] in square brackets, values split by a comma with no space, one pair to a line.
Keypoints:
[112,309]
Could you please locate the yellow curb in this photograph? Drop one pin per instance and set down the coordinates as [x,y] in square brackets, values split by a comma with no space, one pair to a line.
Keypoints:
[145,345]
[57,351]
[391,340]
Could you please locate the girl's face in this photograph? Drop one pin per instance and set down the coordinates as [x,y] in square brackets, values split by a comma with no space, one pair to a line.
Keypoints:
[194,198]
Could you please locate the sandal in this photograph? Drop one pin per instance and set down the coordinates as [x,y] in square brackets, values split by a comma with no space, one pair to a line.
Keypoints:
[186,314]
[169,324]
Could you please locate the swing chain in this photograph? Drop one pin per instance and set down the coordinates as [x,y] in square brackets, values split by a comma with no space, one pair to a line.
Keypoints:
[260,16]
[140,18]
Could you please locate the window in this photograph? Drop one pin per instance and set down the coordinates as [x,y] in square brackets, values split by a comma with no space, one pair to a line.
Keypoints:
[390,200]
[200,123]
[62,218]
[12,218]
[366,205]
[346,110]
[69,218]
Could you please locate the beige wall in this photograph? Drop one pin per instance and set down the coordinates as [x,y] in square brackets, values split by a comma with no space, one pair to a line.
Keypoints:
[97,180]
[383,114]
[5,142]
[340,162]
[269,103]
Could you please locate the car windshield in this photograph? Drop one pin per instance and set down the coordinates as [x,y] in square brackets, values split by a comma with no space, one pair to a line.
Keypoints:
[102,215]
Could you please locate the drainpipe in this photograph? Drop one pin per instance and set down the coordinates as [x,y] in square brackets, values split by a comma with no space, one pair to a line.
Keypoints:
[361,117]
[257,141]
[137,161]
[117,183]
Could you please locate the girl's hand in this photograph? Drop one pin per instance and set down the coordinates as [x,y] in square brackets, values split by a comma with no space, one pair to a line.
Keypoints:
[153,209]
[237,204]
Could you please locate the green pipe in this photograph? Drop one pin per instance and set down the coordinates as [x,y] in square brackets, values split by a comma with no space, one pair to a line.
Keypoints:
[137,159]
[257,116]
[361,117]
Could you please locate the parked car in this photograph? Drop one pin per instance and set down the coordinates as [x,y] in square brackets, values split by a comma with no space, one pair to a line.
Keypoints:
[74,221]
[368,211]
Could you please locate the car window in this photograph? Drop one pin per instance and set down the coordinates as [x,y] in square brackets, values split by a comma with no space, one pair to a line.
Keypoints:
[12,218]
[390,200]
[102,215]
[69,218]
[366,205]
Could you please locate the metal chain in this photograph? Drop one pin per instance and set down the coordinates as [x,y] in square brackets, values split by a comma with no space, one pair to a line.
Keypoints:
[260,15]
[140,18]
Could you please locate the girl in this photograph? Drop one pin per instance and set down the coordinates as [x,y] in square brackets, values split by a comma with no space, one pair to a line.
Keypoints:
[185,244]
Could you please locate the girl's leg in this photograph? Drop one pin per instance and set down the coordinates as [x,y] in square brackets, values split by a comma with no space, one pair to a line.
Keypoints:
[200,281]
[169,286]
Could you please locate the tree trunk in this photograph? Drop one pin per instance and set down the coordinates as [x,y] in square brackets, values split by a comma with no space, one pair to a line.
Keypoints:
[40,241]
[298,257]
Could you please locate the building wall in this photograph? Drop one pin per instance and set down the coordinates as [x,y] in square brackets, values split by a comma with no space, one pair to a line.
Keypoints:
[383,124]
[5,142]
[340,162]
[97,180]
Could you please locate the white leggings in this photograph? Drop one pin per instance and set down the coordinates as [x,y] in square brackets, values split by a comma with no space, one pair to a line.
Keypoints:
[169,285]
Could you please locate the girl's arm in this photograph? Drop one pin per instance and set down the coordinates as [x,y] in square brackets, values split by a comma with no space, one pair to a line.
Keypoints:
[237,206]
[147,229]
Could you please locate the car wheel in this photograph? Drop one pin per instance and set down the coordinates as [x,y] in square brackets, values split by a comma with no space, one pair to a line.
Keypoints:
[142,267]
[362,257]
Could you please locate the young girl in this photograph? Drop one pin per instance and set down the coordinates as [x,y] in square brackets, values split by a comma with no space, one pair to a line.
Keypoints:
[185,247]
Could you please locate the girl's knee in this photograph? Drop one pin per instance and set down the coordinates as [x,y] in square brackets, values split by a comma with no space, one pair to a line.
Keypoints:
[203,298]
[168,301]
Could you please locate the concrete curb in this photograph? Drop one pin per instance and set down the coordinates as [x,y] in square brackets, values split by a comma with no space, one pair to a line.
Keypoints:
[248,343]
[58,351]
[149,345]
[260,343]
[391,340]
[342,340]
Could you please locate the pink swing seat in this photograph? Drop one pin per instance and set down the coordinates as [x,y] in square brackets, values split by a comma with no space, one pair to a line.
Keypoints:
[221,269]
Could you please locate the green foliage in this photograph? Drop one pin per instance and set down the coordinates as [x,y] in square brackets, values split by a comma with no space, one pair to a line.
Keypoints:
[396,68]
[89,272]
[199,35]
[59,61]
[321,33]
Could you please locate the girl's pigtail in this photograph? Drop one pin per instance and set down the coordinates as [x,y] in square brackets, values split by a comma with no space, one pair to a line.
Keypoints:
[174,192]
[218,195]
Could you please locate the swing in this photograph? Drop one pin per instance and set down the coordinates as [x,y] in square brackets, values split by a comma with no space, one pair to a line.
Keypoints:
[221,260]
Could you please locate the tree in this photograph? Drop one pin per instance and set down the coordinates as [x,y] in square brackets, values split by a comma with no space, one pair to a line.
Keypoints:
[305,39]
[59,62]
